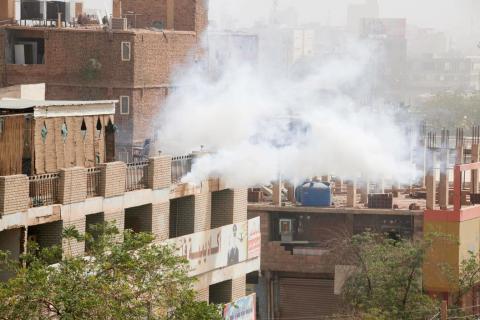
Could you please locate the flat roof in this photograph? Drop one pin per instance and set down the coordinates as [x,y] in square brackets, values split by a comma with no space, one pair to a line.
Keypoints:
[59,108]
[22,104]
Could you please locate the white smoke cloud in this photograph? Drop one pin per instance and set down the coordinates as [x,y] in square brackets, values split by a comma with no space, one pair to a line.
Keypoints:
[297,125]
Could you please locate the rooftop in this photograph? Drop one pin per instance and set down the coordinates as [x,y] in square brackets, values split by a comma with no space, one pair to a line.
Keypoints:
[57,108]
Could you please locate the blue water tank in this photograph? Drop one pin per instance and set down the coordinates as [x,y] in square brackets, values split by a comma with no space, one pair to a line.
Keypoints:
[315,194]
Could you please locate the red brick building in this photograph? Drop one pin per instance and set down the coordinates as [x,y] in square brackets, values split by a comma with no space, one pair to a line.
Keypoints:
[131,65]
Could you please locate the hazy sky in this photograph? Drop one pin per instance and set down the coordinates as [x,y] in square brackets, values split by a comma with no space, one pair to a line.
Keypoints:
[452,15]
[455,16]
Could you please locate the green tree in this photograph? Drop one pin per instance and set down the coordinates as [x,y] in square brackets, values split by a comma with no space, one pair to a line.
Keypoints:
[132,279]
[387,281]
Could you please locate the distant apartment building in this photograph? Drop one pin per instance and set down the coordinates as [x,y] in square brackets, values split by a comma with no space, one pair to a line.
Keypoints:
[57,170]
[130,61]
[359,11]
[433,74]
[388,67]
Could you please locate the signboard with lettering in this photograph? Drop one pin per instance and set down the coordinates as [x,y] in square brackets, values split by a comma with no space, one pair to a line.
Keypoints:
[213,249]
[242,309]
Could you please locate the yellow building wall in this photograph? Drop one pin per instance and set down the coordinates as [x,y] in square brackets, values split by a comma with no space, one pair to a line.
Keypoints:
[442,256]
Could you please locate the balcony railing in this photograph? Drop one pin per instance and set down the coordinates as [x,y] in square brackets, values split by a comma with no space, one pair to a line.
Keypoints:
[93,182]
[180,167]
[43,189]
[137,176]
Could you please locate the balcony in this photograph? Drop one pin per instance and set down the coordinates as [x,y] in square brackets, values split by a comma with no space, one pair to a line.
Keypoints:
[78,184]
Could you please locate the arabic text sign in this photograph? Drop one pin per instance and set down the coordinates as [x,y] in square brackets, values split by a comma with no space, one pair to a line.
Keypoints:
[242,309]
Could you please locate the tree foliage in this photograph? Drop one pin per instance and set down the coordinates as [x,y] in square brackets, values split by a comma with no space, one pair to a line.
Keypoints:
[451,110]
[386,283]
[131,279]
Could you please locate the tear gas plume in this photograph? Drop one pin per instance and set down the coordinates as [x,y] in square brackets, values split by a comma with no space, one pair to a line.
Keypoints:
[258,123]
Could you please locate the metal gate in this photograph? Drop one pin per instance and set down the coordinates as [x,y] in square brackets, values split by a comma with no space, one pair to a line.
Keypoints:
[307,298]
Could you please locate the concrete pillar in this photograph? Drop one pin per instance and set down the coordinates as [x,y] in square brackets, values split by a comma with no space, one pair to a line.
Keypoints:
[72,185]
[277,193]
[430,180]
[159,172]
[474,173]
[14,194]
[351,193]
[112,179]
[290,192]
[460,153]
[443,184]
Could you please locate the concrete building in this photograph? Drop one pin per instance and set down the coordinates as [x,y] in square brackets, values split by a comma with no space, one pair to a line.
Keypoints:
[120,62]
[388,39]
[300,274]
[357,12]
[73,182]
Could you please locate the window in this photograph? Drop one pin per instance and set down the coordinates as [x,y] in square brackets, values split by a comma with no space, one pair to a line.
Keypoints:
[124,104]
[126,51]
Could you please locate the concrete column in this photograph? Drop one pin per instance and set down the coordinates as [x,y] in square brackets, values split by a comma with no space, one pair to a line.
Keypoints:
[430,180]
[460,153]
[277,193]
[159,172]
[443,184]
[14,194]
[351,193]
[112,179]
[474,173]
[364,191]
[72,186]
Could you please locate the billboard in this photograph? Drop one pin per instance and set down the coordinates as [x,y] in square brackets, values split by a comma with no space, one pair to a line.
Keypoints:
[241,309]
[216,248]
[254,238]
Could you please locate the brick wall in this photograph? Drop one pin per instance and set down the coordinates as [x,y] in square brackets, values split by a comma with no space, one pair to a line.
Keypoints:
[202,294]
[160,220]
[160,172]
[202,212]
[221,292]
[14,194]
[75,150]
[117,218]
[229,206]
[239,287]
[72,185]
[72,247]
[112,179]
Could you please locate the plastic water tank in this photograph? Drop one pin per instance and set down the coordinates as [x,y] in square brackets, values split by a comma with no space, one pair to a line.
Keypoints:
[315,194]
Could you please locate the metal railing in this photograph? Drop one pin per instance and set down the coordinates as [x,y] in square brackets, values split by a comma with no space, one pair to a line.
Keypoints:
[137,176]
[180,167]
[93,182]
[43,189]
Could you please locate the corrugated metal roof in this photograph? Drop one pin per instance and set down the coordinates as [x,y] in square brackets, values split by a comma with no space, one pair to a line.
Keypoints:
[22,104]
